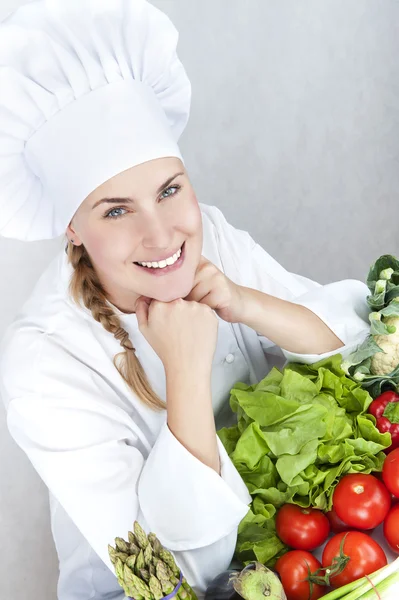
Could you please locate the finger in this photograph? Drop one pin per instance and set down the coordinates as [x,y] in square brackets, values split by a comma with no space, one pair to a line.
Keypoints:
[213,300]
[199,291]
[208,299]
[142,310]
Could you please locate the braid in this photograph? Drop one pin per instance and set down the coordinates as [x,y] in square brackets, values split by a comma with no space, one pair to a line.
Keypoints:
[85,285]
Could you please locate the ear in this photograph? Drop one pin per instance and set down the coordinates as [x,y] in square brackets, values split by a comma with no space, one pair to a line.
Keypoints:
[72,235]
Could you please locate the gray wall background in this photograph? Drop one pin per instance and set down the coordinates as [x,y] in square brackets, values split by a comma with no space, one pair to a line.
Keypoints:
[294,135]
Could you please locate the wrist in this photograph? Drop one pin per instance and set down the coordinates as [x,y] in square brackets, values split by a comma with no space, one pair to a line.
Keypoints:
[247,306]
[182,372]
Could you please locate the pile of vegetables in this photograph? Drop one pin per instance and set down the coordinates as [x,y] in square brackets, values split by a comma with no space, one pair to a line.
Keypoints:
[360,503]
[351,557]
[298,433]
[306,442]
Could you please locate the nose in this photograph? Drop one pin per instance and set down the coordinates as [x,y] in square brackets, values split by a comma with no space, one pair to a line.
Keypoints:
[157,233]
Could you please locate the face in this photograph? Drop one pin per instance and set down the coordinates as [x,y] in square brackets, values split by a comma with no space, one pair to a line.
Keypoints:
[147,214]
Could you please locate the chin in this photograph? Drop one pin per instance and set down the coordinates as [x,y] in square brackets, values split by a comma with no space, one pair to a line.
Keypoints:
[182,292]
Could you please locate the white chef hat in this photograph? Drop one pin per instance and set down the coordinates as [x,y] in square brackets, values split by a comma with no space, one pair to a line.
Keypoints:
[88,89]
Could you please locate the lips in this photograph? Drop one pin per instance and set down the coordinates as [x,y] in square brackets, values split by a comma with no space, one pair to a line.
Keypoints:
[164,258]
[159,271]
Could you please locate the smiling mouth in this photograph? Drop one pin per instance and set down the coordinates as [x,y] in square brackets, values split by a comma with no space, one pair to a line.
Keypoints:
[166,265]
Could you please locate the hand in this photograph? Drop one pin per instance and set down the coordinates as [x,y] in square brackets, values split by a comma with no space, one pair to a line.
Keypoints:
[183,334]
[213,288]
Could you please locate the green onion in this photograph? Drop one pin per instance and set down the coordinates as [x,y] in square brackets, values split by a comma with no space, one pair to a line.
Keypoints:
[387,590]
[383,580]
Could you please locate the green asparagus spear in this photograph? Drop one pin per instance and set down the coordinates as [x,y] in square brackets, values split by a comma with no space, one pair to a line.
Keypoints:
[140,564]
[131,561]
[152,570]
[132,538]
[145,575]
[156,588]
[148,555]
[121,545]
[182,594]
[167,558]
[189,589]
[139,584]
[140,535]
[157,546]
[162,577]
[132,592]
[119,568]
[122,555]
[134,549]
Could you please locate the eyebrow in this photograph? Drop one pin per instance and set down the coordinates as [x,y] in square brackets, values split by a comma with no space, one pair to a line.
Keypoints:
[131,200]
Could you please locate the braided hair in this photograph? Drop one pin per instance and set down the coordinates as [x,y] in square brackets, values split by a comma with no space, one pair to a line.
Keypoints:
[85,285]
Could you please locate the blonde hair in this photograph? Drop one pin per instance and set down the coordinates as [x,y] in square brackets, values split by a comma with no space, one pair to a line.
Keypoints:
[85,285]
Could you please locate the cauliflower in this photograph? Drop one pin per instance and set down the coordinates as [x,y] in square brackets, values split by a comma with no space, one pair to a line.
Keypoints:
[375,363]
[383,363]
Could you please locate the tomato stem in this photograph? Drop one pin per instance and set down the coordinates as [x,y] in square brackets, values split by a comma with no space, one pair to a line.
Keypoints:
[337,566]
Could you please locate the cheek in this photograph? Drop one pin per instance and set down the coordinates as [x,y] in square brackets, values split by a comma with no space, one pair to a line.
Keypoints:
[107,246]
[190,219]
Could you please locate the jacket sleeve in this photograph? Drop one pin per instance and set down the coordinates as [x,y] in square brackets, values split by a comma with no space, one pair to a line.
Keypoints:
[92,455]
[342,305]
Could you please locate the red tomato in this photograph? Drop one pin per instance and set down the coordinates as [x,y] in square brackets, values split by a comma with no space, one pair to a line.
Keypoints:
[361,501]
[336,524]
[293,570]
[366,556]
[302,528]
[390,472]
[391,528]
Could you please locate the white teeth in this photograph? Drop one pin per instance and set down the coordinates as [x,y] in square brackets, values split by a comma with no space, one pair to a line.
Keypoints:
[162,263]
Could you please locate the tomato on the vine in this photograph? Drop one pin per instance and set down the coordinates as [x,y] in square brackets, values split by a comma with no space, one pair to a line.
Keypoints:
[390,472]
[302,528]
[293,568]
[361,501]
[365,556]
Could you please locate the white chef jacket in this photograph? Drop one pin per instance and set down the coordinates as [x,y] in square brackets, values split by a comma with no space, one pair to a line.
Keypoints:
[106,458]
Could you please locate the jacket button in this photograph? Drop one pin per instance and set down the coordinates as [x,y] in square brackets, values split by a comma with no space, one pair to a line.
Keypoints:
[230,358]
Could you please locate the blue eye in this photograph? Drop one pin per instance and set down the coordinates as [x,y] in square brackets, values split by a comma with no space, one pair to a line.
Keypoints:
[111,216]
[168,192]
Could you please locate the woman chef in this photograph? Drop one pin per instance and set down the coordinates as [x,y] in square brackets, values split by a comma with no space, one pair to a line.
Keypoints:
[116,372]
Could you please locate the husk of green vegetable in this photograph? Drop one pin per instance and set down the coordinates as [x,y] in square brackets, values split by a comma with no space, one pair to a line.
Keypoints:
[298,432]
[383,301]
[258,584]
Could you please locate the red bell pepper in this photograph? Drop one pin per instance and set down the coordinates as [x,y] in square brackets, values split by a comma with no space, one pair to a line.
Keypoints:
[385,409]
